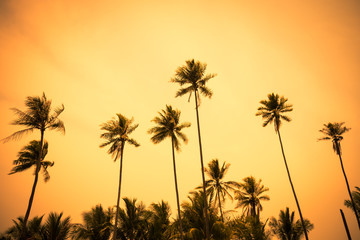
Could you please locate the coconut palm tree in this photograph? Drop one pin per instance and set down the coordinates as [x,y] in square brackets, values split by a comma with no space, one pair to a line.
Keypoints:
[133,221]
[192,79]
[168,125]
[37,116]
[248,227]
[117,132]
[28,157]
[56,228]
[194,224]
[272,111]
[286,228]
[33,230]
[159,221]
[334,132]
[356,197]
[216,187]
[97,225]
[250,194]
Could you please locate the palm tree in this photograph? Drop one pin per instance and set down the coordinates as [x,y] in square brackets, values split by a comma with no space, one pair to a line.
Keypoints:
[159,221]
[286,228]
[33,230]
[97,225]
[216,186]
[334,132]
[356,197]
[28,157]
[116,135]
[193,217]
[57,228]
[37,116]
[168,125]
[272,111]
[250,195]
[193,76]
[248,227]
[133,221]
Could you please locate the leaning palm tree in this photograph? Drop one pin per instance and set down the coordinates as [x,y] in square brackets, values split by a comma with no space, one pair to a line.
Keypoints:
[29,157]
[250,194]
[37,116]
[168,125]
[334,132]
[116,135]
[272,111]
[286,228]
[193,76]
[216,186]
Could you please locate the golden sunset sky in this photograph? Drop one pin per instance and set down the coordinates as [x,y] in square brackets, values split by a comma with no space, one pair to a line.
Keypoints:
[99,58]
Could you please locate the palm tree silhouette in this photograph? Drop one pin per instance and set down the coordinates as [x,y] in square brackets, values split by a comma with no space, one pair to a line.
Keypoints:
[193,76]
[32,230]
[216,186]
[272,110]
[250,195]
[116,135]
[159,221]
[97,225]
[286,228]
[29,157]
[168,125]
[57,228]
[37,116]
[356,197]
[333,132]
[133,221]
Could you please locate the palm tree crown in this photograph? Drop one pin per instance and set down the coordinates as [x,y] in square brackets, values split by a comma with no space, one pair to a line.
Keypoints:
[117,134]
[216,186]
[272,110]
[333,131]
[286,228]
[37,116]
[250,195]
[29,157]
[168,125]
[192,75]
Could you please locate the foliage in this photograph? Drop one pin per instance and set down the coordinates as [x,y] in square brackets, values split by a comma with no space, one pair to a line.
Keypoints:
[334,132]
[97,224]
[250,195]
[356,197]
[285,228]
[249,228]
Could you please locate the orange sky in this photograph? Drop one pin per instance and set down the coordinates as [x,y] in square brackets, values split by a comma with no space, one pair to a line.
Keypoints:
[103,58]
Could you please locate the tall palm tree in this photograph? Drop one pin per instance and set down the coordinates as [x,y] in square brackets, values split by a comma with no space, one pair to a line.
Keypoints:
[356,197]
[133,221]
[286,228]
[216,186]
[334,132]
[37,116]
[192,75]
[28,157]
[168,125]
[117,132]
[250,195]
[97,225]
[272,111]
[56,227]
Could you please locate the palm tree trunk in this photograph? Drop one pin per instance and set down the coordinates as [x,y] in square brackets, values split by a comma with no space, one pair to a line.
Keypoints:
[292,187]
[221,214]
[202,170]
[38,166]
[177,192]
[118,198]
[348,188]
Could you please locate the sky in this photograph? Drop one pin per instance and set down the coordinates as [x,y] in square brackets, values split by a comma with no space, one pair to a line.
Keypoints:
[102,58]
